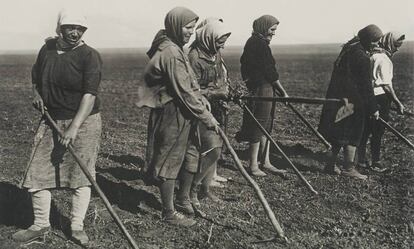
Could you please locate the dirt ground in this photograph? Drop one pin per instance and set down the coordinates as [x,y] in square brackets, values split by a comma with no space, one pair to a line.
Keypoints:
[376,213]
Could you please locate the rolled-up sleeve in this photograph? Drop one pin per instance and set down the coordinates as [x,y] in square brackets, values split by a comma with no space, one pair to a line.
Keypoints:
[382,70]
[92,73]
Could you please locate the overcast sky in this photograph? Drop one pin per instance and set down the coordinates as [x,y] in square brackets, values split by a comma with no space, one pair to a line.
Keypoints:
[133,23]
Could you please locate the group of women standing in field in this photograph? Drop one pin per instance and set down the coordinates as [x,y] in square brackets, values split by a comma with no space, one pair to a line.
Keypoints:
[187,95]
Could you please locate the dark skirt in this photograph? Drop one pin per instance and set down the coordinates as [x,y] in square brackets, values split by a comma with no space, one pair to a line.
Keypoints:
[261,110]
[52,166]
[168,135]
[376,129]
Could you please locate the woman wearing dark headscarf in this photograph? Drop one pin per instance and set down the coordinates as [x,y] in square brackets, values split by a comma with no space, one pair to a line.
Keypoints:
[351,79]
[201,160]
[171,90]
[66,77]
[259,72]
[382,74]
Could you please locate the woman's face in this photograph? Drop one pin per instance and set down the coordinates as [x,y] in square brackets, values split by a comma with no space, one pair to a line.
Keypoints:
[397,46]
[72,33]
[271,32]
[221,41]
[188,31]
[373,45]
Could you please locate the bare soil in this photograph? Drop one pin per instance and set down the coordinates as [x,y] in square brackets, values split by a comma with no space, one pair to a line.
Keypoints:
[376,213]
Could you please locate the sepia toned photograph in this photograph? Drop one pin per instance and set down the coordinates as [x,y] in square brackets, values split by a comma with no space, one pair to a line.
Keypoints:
[167,124]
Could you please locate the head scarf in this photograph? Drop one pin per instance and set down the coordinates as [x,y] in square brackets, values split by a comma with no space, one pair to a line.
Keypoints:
[69,17]
[207,35]
[370,33]
[390,41]
[207,20]
[174,21]
[262,24]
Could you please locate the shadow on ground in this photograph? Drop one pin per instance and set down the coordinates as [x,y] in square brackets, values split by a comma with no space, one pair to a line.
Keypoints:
[16,209]
[303,158]
[127,196]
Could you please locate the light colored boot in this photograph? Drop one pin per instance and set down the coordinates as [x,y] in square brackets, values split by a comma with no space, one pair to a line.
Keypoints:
[352,172]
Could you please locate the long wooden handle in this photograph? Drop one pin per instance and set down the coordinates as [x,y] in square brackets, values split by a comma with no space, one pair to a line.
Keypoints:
[306,122]
[279,149]
[396,133]
[256,187]
[95,185]
[318,101]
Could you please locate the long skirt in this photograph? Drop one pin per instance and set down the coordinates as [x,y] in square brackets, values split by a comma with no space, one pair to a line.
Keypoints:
[261,110]
[52,166]
[168,135]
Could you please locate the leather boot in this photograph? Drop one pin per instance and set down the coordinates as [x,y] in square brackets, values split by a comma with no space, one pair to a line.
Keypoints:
[194,195]
[184,206]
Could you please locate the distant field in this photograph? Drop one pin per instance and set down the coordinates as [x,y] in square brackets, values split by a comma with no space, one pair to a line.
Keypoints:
[377,213]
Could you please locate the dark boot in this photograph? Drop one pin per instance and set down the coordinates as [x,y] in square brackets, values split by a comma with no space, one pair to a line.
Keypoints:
[352,172]
[194,195]
[184,206]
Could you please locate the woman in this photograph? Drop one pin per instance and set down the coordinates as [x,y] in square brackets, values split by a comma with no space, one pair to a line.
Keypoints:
[382,73]
[172,92]
[262,79]
[201,159]
[351,80]
[65,77]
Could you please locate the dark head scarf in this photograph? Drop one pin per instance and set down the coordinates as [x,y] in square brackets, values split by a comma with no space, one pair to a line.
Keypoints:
[262,24]
[174,21]
[370,33]
[391,41]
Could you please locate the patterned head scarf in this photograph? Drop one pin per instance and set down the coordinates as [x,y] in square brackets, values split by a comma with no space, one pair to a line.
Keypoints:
[262,24]
[207,20]
[175,20]
[207,35]
[391,41]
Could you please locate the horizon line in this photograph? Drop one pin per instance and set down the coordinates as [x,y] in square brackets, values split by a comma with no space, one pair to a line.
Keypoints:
[5,51]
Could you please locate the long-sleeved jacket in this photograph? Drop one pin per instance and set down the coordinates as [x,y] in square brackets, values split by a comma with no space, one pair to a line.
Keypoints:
[169,76]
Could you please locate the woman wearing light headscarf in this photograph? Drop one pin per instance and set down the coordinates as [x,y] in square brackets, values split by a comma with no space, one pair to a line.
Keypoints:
[211,72]
[258,69]
[65,77]
[171,90]
[382,74]
[351,80]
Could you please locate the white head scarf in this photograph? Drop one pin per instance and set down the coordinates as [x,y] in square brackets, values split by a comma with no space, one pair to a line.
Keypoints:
[70,17]
[390,41]
[207,35]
